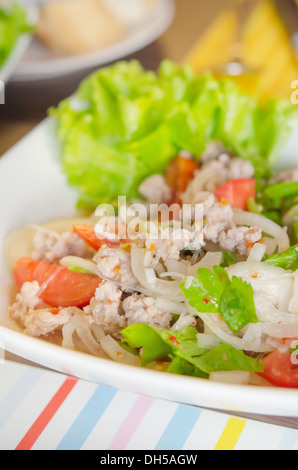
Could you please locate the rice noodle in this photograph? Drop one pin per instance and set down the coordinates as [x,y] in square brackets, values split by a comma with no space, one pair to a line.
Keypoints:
[267,225]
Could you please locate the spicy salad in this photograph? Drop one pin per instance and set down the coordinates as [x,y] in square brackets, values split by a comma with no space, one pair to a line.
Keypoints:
[195,273]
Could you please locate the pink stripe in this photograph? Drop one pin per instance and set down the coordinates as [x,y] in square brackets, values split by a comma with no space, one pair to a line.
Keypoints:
[131,422]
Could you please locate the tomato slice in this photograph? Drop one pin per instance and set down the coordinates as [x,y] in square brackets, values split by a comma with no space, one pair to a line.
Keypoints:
[179,173]
[60,287]
[87,233]
[280,370]
[237,192]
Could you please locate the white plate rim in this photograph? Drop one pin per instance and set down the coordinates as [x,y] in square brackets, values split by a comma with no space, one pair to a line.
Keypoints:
[257,400]
[39,70]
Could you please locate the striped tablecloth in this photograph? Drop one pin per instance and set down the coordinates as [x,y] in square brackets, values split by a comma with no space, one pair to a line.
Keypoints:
[46,410]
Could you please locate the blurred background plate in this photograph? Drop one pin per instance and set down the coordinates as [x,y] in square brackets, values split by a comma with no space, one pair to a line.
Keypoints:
[40,62]
[20,48]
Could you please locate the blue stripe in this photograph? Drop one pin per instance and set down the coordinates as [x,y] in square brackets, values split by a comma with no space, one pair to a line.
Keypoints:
[87,419]
[179,428]
[18,393]
[288,440]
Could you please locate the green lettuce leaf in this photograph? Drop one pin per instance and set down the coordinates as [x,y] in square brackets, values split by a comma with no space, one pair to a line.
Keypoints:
[125,123]
[224,358]
[13,23]
[214,292]
[185,354]
[158,343]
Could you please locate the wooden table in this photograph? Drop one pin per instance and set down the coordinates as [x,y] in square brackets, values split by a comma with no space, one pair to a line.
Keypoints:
[27,104]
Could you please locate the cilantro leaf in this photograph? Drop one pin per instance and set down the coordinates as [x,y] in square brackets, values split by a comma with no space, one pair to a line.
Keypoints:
[216,293]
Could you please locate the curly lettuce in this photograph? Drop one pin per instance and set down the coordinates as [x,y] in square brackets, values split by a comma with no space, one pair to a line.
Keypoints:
[125,123]
[13,23]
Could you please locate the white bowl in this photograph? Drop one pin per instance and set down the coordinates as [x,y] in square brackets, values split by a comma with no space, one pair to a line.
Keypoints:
[33,189]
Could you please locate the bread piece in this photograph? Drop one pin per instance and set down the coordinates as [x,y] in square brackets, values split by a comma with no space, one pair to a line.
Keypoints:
[78,26]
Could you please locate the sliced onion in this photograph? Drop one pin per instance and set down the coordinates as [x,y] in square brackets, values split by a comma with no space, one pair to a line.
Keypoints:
[172,274]
[170,306]
[150,277]
[67,334]
[276,323]
[211,258]
[176,266]
[207,341]
[113,349]
[265,279]
[97,331]
[161,287]
[286,290]
[184,321]
[257,271]
[188,281]
[222,331]
[82,263]
[267,225]
[257,252]
[293,304]
[271,245]
[85,335]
